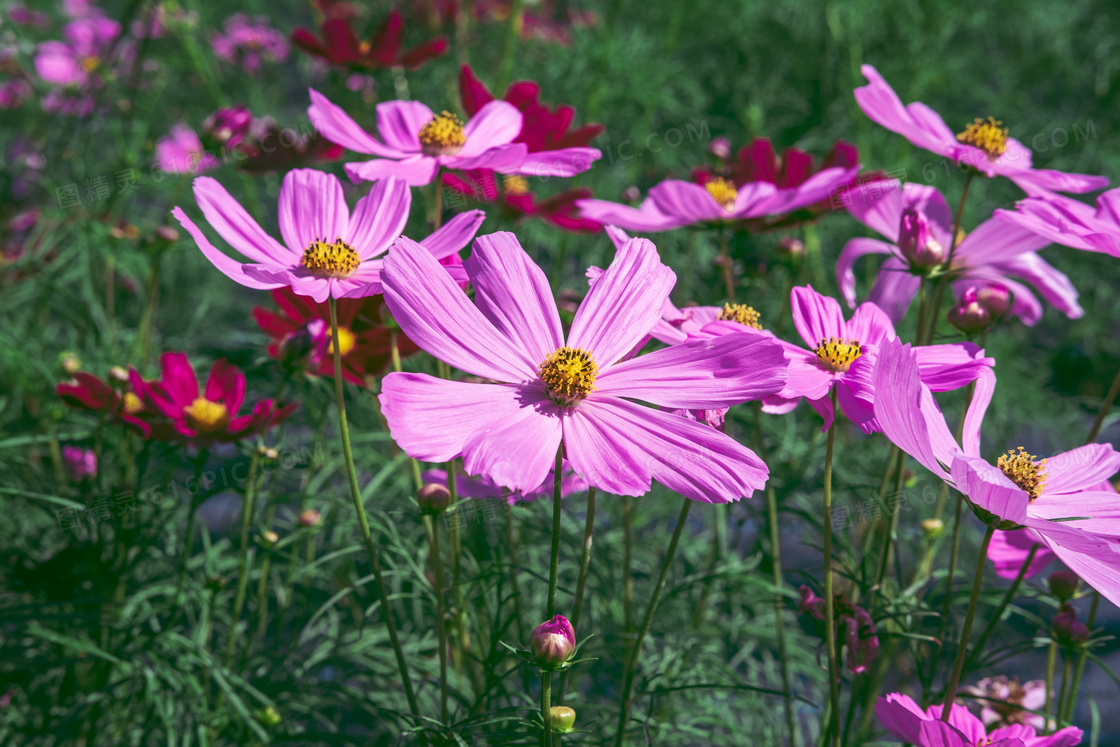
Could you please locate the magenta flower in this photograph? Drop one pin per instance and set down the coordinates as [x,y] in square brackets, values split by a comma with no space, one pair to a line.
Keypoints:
[416,143]
[1066,221]
[1059,500]
[854,623]
[983,145]
[327,251]
[479,487]
[1008,703]
[577,390]
[906,720]
[674,203]
[991,255]
[250,42]
[1008,551]
[182,152]
[76,60]
[81,464]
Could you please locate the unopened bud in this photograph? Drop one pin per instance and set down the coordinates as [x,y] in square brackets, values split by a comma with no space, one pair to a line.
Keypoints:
[1067,629]
[268,717]
[433,498]
[792,247]
[562,718]
[968,314]
[309,518]
[269,538]
[1063,584]
[916,242]
[932,528]
[167,233]
[69,363]
[553,642]
[267,452]
[631,194]
[117,375]
[720,147]
[996,299]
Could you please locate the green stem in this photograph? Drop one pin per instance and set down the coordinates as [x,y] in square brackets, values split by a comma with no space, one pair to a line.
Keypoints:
[962,646]
[432,528]
[395,356]
[581,582]
[994,618]
[725,261]
[509,44]
[1079,669]
[890,527]
[243,559]
[400,83]
[188,541]
[266,566]
[829,601]
[554,565]
[1051,657]
[1065,686]
[546,706]
[636,650]
[147,318]
[939,293]
[363,521]
[1105,407]
[627,564]
[949,579]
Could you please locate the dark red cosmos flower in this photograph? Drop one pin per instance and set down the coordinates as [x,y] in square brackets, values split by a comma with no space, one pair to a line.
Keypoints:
[542,129]
[210,416]
[341,46]
[302,330]
[87,392]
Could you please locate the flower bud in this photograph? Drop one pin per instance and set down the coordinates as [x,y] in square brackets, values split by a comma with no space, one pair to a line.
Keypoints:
[227,126]
[720,147]
[1063,584]
[932,528]
[562,718]
[916,242]
[268,717]
[69,363]
[309,518]
[269,539]
[631,194]
[996,299]
[433,498]
[968,314]
[553,642]
[81,464]
[1067,629]
[117,375]
[792,247]
[167,234]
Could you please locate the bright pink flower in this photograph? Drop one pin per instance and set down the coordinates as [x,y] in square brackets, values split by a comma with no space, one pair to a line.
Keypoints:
[81,464]
[417,143]
[327,251]
[250,42]
[578,390]
[341,46]
[209,416]
[479,487]
[991,255]
[906,720]
[983,145]
[1007,703]
[182,152]
[1069,222]
[1059,499]
[76,60]
[87,392]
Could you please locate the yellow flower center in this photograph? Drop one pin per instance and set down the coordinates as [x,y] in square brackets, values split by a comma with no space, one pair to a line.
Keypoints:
[838,354]
[443,135]
[336,259]
[89,64]
[132,403]
[346,341]
[515,185]
[206,416]
[739,312]
[1022,469]
[988,135]
[569,374]
[722,191]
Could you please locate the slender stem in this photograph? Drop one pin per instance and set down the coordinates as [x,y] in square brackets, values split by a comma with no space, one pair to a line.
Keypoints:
[635,652]
[1051,657]
[1065,686]
[546,706]
[395,356]
[1105,407]
[148,317]
[581,582]
[962,646]
[243,561]
[627,562]
[829,601]
[437,204]
[994,618]
[509,43]
[725,261]
[400,83]
[890,526]
[949,579]
[939,294]
[518,617]
[188,541]
[432,528]
[1079,669]
[363,522]
[554,566]
[266,566]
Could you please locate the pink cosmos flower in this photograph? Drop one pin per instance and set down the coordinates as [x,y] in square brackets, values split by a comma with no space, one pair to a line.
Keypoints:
[906,720]
[1017,701]
[76,60]
[577,390]
[418,143]
[182,152]
[991,255]
[81,464]
[1066,221]
[327,251]
[479,487]
[983,145]
[250,41]
[211,415]
[854,623]
[1058,500]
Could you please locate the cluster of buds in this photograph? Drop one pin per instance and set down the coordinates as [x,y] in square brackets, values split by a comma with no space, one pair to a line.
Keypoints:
[979,307]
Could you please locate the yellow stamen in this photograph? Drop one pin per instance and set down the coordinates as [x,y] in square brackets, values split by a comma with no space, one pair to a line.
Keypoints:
[569,374]
[206,416]
[336,259]
[1022,469]
[515,185]
[132,403]
[739,312]
[346,341]
[838,354]
[722,191]
[89,64]
[443,135]
[988,135]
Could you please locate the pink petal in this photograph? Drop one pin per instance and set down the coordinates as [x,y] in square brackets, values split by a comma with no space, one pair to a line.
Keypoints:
[1095,559]
[917,123]
[563,162]
[505,159]
[1052,285]
[399,124]
[338,127]
[756,199]
[1009,550]
[619,446]
[513,293]
[624,304]
[436,314]
[233,270]
[816,317]
[312,206]
[417,171]
[226,385]
[701,375]
[646,217]
[688,201]
[518,451]
[894,288]
[496,123]
[853,250]
[869,325]
[996,240]
[453,235]
[299,280]
[379,217]
[947,367]
[1083,468]
[987,487]
[973,419]
[177,378]
[901,716]
[236,226]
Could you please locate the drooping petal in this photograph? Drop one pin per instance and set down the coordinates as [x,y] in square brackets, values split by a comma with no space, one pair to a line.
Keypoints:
[1053,285]
[564,162]
[230,268]
[1095,559]
[853,250]
[399,124]
[298,279]
[453,235]
[701,375]
[816,317]
[436,314]
[916,122]
[415,170]
[947,367]
[312,206]
[645,217]
[235,225]
[619,446]
[987,487]
[496,123]
[997,240]
[379,217]
[1009,550]
[623,305]
[513,293]
[338,127]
